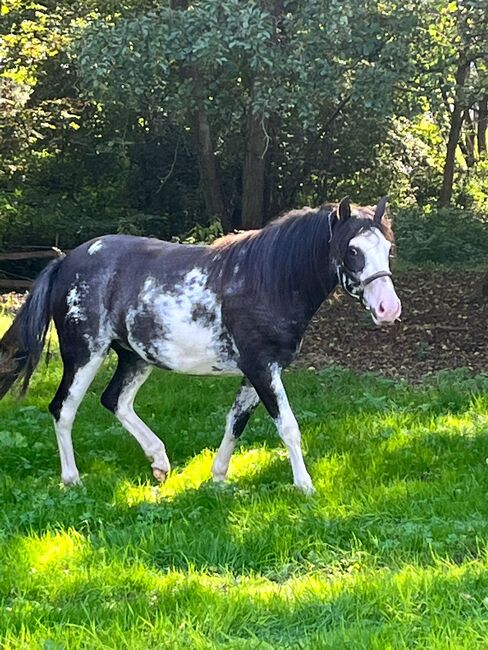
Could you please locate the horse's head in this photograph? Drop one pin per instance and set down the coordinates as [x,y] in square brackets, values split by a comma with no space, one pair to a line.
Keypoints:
[360,248]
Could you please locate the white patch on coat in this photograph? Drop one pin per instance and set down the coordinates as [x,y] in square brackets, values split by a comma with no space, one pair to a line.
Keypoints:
[246,399]
[289,432]
[184,340]
[74,302]
[95,247]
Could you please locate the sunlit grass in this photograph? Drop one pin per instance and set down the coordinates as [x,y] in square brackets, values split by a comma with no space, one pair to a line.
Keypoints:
[390,553]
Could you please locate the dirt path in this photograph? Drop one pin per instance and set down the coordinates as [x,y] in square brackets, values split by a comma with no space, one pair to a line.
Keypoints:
[444,325]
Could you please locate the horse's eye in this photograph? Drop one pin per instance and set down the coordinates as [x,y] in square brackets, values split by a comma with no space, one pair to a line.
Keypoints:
[353,251]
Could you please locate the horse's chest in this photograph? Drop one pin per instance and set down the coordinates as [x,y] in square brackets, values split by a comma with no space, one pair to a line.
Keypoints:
[182,329]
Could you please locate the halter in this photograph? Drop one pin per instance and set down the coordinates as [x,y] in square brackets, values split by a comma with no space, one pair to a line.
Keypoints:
[354,287]
[351,285]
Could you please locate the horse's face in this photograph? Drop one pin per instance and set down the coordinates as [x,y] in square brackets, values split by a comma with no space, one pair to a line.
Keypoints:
[369,252]
[364,271]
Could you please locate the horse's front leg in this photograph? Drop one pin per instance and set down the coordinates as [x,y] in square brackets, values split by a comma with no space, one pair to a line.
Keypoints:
[244,404]
[269,387]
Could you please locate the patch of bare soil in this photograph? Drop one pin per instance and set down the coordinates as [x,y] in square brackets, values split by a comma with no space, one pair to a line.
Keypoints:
[444,325]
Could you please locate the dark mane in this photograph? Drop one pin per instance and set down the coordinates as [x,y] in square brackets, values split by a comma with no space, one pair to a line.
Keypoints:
[293,253]
[289,254]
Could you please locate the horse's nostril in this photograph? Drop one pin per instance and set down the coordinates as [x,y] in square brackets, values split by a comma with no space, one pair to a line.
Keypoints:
[381,308]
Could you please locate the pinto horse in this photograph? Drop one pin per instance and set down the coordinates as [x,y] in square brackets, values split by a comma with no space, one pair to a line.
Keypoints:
[237,307]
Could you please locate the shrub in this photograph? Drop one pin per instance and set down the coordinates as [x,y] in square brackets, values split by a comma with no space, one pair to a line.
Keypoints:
[441,236]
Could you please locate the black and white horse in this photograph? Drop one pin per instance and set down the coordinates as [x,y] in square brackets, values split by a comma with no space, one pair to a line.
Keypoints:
[237,307]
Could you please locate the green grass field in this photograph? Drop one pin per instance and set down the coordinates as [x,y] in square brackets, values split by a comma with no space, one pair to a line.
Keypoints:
[390,553]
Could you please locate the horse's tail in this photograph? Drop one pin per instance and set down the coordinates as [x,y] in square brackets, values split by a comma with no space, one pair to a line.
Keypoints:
[21,346]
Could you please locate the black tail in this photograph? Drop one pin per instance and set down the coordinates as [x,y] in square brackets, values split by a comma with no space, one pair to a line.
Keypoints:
[21,346]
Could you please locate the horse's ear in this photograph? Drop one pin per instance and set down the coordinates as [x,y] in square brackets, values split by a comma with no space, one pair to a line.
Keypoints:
[380,210]
[344,209]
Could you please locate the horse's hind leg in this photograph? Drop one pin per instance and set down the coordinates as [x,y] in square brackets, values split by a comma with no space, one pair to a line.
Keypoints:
[244,404]
[119,397]
[78,373]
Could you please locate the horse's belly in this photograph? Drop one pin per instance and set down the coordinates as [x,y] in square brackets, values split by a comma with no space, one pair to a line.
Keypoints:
[192,350]
[182,331]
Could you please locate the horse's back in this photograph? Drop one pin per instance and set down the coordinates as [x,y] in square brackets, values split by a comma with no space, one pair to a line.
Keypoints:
[150,295]
[122,252]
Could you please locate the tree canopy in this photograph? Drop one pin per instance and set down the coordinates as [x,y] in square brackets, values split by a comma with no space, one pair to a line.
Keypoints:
[150,117]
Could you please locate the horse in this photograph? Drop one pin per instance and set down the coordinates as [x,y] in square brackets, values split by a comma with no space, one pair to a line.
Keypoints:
[239,306]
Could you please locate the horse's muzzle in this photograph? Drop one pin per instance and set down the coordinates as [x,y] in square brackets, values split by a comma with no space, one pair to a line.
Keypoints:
[381,299]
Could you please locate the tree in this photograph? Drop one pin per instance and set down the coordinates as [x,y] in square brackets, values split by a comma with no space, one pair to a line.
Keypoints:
[455,62]
[253,73]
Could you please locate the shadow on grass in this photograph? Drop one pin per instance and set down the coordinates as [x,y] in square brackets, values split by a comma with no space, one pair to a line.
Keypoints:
[110,596]
[401,479]
[386,508]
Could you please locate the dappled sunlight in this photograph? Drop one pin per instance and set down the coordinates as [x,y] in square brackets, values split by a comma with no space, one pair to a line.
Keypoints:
[54,550]
[463,424]
[130,494]
[244,464]
[249,462]
[399,519]
[5,322]
[113,591]
[195,472]
[189,477]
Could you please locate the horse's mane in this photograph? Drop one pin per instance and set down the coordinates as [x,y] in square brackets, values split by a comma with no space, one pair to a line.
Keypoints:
[292,253]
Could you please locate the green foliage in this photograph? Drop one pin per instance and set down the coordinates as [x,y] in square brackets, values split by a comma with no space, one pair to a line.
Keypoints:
[202,234]
[98,99]
[298,69]
[391,552]
[447,236]
[473,187]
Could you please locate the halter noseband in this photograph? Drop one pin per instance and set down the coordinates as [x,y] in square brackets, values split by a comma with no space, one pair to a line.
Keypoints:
[355,288]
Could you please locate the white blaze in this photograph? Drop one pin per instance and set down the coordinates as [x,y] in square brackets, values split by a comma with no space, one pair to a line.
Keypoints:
[379,295]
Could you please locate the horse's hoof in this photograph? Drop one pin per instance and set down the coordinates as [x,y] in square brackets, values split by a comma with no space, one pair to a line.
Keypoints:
[159,474]
[70,481]
[306,488]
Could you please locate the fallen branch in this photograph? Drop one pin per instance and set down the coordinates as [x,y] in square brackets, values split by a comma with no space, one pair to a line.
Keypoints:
[15,284]
[28,255]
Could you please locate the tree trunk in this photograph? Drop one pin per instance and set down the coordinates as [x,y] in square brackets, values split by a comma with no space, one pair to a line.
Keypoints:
[470,140]
[482,125]
[457,117]
[253,173]
[208,169]
[203,144]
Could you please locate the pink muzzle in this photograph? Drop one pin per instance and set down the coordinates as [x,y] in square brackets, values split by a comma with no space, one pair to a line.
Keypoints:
[380,297]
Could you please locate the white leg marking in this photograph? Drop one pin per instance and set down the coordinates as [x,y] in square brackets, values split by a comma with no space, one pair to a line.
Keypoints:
[290,433]
[63,425]
[152,446]
[246,399]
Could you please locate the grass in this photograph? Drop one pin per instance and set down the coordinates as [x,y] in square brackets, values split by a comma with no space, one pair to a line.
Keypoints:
[392,552]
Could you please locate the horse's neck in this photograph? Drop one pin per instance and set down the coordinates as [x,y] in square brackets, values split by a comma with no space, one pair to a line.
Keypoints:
[308,296]
[311,292]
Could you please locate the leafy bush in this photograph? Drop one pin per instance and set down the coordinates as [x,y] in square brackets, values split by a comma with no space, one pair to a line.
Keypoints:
[202,234]
[449,236]
[473,190]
